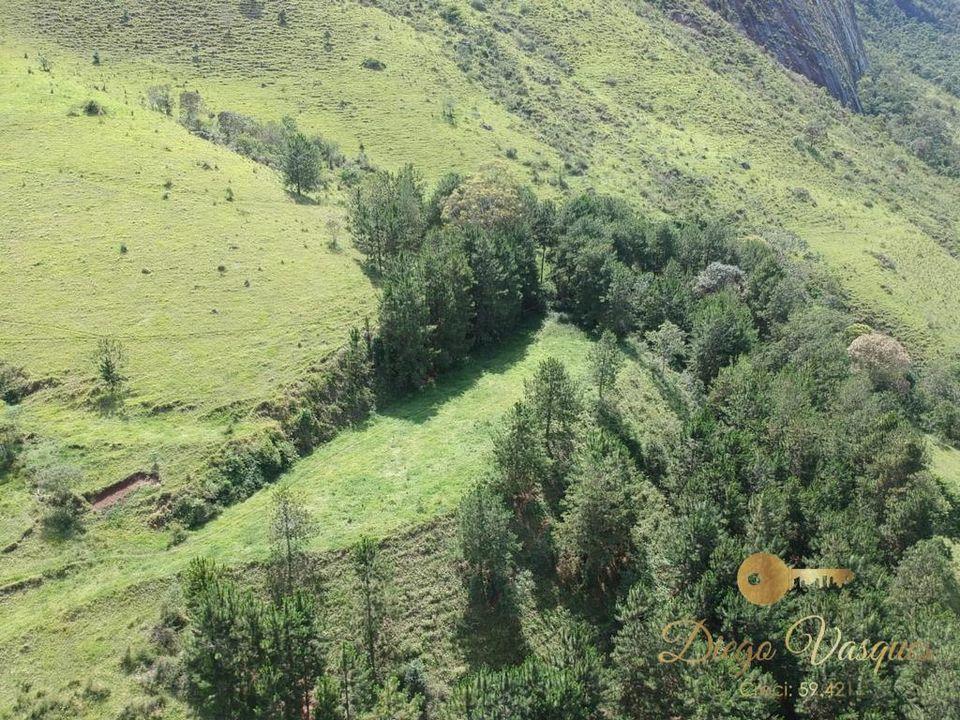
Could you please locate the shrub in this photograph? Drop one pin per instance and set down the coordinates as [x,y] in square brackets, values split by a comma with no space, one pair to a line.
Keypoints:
[14,383]
[883,359]
[9,446]
[62,516]
[159,99]
[373,64]
[143,709]
[93,109]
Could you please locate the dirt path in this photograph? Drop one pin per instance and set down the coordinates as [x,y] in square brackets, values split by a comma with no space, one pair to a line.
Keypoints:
[112,494]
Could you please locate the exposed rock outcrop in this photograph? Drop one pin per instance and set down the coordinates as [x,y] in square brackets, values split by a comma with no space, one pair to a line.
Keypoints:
[819,39]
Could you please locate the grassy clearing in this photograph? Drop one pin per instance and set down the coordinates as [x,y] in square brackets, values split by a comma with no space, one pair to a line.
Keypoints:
[405,467]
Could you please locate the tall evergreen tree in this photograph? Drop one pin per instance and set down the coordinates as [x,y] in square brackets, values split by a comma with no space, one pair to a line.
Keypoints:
[519,458]
[291,526]
[405,351]
[605,362]
[600,510]
[373,604]
[487,544]
[556,405]
[448,286]
[301,163]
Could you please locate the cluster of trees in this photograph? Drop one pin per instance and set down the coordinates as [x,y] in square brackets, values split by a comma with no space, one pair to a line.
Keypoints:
[265,653]
[801,440]
[301,159]
[800,437]
[457,269]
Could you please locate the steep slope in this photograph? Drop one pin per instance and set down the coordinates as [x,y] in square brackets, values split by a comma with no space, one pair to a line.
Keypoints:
[671,107]
[921,37]
[820,40]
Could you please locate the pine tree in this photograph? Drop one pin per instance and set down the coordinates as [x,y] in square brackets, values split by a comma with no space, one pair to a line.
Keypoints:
[294,659]
[518,457]
[486,543]
[291,526]
[605,362]
[555,403]
[600,510]
[301,163]
[405,354]
[373,603]
[448,285]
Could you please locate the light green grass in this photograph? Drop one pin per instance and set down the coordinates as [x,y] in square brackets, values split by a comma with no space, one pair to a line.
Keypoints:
[656,111]
[945,464]
[407,465]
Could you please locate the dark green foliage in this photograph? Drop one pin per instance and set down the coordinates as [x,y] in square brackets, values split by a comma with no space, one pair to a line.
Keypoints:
[14,383]
[111,361]
[433,211]
[448,286]
[245,659]
[387,215]
[497,292]
[244,465]
[487,544]
[722,330]
[301,163]
[555,406]
[9,446]
[404,347]
[519,457]
[938,392]
[93,109]
[599,511]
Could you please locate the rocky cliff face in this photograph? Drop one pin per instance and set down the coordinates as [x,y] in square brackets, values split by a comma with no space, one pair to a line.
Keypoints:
[819,39]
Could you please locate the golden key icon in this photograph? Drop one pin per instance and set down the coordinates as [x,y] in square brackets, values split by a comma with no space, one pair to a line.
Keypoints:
[773,578]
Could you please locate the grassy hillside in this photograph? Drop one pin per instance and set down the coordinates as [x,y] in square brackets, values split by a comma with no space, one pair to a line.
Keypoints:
[99,593]
[120,224]
[679,116]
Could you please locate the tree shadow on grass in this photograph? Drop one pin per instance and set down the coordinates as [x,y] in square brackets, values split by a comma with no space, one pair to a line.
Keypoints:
[301,199]
[368,269]
[424,404]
